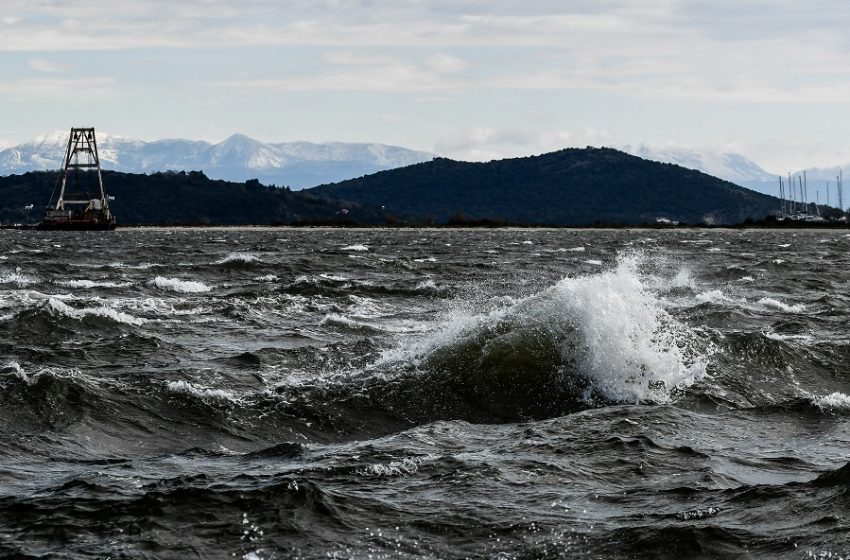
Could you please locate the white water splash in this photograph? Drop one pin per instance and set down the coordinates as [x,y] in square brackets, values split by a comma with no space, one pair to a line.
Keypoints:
[787,337]
[187,388]
[406,466]
[238,258]
[178,285]
[631,345]
[715,297]
[835,402]
[17,278]
[610,325]
[88,284]
[427,285]
[357,247]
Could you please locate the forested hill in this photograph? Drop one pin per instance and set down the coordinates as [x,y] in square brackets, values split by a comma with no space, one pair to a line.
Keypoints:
[184,198]
[567,187]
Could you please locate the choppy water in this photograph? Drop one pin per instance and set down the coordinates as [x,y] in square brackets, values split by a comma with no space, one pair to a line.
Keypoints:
[424,394]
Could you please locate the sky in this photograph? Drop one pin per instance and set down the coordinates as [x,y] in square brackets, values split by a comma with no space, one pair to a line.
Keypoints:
[468,79]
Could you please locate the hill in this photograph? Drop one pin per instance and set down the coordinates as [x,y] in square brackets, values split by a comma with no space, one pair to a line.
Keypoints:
[567,187]
[184,198]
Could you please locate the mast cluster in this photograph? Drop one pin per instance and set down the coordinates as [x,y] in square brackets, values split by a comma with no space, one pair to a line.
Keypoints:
[796,203]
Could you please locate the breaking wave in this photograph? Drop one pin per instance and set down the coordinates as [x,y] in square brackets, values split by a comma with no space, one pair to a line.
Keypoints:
[178,285]
[186,388]
[776,304]
[61,309]
[88,284]
[600,336]
[238,259]
[835,402]
[16,278]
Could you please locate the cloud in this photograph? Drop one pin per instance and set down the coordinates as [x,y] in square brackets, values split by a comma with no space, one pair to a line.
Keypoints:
[485,143]
[363,71]
[783,155]
[43,65]
[763,61]
[773,51]
[26,89]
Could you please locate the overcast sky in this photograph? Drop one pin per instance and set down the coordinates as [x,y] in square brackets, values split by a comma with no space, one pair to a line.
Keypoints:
[470,79]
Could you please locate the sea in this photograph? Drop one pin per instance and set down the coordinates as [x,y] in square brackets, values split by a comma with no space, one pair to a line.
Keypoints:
[260,393]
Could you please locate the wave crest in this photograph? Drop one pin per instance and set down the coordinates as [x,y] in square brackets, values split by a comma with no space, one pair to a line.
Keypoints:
[835,403]
[604,335]
[178,285]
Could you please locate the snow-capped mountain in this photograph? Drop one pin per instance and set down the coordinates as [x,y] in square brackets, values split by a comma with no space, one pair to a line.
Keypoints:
[238,158]
[731,167]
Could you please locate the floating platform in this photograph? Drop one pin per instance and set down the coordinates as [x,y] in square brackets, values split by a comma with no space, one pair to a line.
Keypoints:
[82,204]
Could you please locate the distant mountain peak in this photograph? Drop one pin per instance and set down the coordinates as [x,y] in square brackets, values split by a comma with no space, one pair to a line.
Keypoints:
[236,158]
[729,166]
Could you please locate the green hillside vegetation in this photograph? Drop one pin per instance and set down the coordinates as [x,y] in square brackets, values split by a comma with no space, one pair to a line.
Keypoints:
[568,187]
[185,198]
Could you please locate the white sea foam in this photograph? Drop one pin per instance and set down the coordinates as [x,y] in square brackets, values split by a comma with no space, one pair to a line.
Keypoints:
[682,279]
[364,307]
[835,402]
[15,367]
[331,277]
[199,391]
[747,279]
[357,247]
[87,284]
[427,285]
[776,304]
[406,466]
[178,285]
[266,278]
[715,297]
[17,278]
[57,307]
[428,259]
[140,266]
[595,262]
[786,337]
[238,258]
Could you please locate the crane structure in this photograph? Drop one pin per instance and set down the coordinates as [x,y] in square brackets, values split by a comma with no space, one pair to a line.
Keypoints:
[82,203]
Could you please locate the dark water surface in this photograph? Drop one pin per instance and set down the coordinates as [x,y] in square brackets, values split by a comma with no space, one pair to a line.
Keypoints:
[276,393]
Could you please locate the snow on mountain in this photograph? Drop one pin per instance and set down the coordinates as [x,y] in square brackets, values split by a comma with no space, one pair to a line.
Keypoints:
[237,158]
[731,167]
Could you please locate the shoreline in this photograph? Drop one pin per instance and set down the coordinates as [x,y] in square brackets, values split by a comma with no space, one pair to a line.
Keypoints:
[459,227]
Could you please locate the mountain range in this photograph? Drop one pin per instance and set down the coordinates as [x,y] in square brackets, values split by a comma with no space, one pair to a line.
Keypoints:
[238,158]
[305,164]
[731,167]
